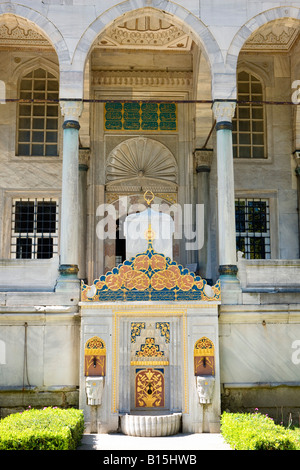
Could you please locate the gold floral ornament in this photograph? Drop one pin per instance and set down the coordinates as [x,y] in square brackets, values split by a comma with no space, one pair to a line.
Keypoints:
[149,389]
[149,349]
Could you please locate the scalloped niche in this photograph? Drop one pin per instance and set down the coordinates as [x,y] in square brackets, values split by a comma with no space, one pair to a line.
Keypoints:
[141,160]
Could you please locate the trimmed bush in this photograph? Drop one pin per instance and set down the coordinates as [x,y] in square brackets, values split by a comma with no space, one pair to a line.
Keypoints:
[47,429]
[254,431]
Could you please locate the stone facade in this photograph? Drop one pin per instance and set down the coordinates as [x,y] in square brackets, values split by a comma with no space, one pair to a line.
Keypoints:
[149,95]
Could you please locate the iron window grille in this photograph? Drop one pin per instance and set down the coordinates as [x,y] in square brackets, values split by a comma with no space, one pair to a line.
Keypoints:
[34,229]
[248,133]
[253,228]
[38,117]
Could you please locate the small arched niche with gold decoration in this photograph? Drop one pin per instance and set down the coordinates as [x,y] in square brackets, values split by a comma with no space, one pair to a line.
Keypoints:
[95,357]
[204,357]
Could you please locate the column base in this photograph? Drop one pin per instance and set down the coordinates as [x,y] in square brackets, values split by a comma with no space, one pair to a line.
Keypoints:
[231,291]
[68,279]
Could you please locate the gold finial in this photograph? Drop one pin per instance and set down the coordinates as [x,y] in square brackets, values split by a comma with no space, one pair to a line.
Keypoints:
[148,196]
[149,233]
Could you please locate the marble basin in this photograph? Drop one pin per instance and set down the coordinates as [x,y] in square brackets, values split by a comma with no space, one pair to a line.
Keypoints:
[151,425]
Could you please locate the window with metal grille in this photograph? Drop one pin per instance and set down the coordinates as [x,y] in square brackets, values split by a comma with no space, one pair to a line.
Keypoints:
[249,121]
[253,228]
[34,228]
[38,117]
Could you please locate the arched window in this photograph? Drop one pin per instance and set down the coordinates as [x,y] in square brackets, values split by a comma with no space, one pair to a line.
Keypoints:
[249,121]
[38,120]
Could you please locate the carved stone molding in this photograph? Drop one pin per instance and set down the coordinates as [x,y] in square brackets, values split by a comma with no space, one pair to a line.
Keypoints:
[145,30]
[18,33]
[142,78]
[138,162]
[274,36]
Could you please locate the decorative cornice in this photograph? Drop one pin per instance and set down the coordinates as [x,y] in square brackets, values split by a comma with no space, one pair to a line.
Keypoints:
[141,187]
[142,78]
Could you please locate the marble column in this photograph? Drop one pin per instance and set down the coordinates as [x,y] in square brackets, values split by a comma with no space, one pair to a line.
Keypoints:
[84,156]
[224,112]
[202,165]
[69,215]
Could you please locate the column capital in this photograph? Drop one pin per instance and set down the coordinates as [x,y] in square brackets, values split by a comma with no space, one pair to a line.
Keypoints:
[71,110]
[224,110]
[202,160]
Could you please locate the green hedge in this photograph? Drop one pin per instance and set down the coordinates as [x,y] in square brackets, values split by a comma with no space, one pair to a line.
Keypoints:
[255,431]
[47,429]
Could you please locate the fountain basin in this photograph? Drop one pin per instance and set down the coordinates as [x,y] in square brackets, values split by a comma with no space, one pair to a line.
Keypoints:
[151,425]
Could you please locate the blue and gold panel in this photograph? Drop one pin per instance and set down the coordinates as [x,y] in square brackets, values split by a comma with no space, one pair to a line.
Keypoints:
[136,328]
[140,116]
[164,328]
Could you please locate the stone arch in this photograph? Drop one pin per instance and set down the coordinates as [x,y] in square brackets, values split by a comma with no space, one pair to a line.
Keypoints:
[189,22]
[253,24]
[41,23]
[224,83]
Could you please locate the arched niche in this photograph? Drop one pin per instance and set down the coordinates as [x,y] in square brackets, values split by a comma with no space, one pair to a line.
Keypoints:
[204,357]
[95,357]
[143,162]
[149,388]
